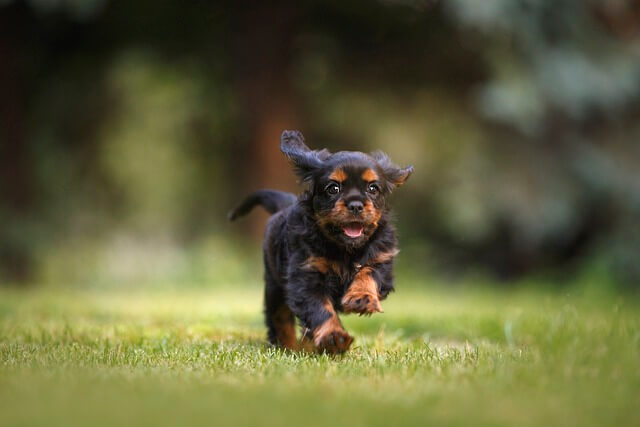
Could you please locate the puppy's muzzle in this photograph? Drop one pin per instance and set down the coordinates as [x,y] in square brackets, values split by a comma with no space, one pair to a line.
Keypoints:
[355,207]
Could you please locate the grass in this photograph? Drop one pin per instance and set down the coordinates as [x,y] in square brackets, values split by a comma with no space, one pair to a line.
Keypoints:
[198,357]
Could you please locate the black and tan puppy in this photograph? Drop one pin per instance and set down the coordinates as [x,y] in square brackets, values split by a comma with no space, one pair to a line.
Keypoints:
[330,250]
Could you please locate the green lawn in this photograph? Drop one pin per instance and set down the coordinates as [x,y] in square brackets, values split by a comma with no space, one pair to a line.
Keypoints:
[198,357]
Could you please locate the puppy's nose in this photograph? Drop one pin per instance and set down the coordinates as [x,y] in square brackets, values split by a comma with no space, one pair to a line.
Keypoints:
[355,207]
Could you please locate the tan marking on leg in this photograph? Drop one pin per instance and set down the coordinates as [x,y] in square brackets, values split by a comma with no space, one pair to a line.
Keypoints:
[369,175]
[332,323]
[362,296]
[284,324]
[330,337]
[306,341]
[338,175]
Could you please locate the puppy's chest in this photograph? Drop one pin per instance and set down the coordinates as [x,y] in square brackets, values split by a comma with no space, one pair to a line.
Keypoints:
[335,272]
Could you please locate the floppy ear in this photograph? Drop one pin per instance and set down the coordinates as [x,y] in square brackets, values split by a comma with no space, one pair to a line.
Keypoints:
[305,161]
[394,175]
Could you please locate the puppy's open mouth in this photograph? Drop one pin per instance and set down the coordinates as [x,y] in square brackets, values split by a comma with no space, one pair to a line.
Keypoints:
[353,229]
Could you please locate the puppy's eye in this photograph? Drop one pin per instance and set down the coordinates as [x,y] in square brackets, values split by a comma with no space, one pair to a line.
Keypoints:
[373,188]
[333,189]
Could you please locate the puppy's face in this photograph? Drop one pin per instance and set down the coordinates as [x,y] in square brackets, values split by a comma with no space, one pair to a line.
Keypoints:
[348,197]
[348,188]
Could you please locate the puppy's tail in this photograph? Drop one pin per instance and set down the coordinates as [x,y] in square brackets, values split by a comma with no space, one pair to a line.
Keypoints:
[272,200]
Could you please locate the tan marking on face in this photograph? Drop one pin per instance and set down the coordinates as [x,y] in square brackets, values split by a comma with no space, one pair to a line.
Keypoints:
[340,209]
[362,296]
[339,214]
[370,214]
[338,175]
[284,323]
[369,175]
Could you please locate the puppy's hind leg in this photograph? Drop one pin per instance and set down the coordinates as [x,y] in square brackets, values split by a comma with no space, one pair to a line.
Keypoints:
[279,319]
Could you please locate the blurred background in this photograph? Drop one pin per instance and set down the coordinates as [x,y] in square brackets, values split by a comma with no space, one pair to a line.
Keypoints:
[129,128]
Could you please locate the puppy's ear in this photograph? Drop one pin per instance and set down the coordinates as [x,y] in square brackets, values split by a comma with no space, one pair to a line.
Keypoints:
[395,176]
[305,161]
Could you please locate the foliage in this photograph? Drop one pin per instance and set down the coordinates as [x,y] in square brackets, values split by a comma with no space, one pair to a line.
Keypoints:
[129,122]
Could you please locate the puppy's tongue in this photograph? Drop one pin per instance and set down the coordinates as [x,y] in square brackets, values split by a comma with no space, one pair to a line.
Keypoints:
[353,230]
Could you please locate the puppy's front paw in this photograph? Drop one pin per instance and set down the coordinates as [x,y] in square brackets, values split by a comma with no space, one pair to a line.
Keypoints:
[361,303]
[333,342]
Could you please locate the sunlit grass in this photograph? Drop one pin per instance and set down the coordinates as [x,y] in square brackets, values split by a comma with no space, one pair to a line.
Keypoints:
[199,357]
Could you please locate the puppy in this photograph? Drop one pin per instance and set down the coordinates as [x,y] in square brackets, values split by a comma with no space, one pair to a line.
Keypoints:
[330,250]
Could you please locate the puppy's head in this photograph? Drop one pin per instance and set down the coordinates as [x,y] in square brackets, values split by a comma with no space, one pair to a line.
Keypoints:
[347,188]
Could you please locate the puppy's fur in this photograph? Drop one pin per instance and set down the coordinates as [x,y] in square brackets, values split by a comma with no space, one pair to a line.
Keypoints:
[331,249]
